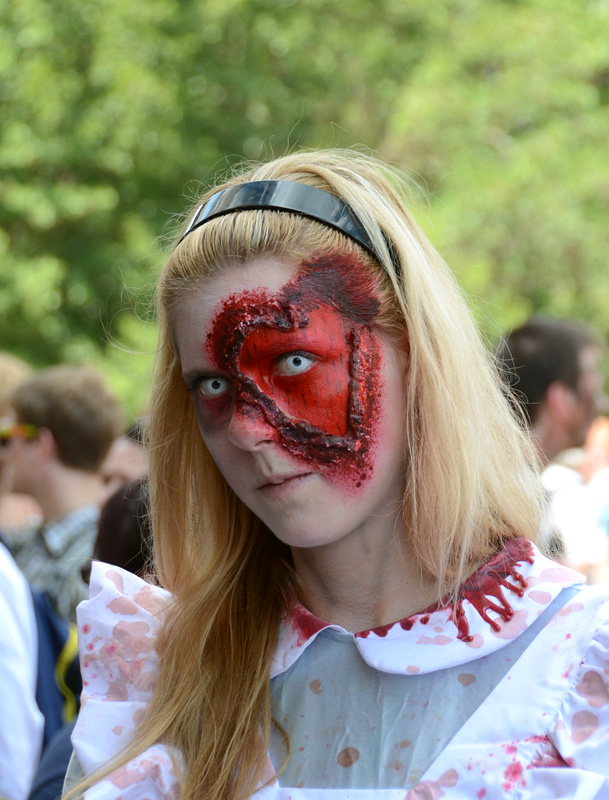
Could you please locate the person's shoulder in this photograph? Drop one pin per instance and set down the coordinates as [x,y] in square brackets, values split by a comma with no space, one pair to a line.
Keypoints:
[119,621]
[581,733]
[556,477]
[117,631]
[110,579]
[72,530]
[14,588]
[593,602]
[8,566]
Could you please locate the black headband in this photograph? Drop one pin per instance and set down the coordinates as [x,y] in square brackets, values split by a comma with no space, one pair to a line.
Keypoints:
[298,198]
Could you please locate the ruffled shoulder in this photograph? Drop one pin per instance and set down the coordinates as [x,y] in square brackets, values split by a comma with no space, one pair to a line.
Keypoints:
[581,734]
[117,630]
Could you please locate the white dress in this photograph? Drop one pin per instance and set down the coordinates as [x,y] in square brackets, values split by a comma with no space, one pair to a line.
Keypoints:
[503,696]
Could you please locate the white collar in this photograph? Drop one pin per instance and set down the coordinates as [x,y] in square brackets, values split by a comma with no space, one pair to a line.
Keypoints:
[499,602]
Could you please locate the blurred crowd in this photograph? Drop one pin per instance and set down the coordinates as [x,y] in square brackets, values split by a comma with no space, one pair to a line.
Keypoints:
[553,370]
[73,487]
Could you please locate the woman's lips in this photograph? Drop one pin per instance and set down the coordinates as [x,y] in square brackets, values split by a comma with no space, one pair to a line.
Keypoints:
[282,484]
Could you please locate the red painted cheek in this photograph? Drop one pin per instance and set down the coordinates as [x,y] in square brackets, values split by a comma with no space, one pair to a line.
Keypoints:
[319,396]
[328,413]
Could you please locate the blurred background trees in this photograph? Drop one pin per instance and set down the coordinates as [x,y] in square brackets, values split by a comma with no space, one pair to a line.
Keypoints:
[115,114]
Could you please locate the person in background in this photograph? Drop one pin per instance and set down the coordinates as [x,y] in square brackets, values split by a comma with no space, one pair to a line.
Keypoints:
[21,722]
[66,418]
[16,510]
[123,539]
[594,467]
[57,670]
[126,460]
[595,456]
[124,536]
[553,367]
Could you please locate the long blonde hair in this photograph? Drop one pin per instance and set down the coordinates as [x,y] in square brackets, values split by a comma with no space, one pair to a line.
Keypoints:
[470,482]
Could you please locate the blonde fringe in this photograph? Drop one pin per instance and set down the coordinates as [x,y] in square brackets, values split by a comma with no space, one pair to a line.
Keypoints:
[470,484]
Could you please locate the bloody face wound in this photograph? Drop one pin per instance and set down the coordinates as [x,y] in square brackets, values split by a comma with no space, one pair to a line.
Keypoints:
[307,360]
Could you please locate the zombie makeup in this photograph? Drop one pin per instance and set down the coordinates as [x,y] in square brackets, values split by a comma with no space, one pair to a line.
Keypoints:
[306,360]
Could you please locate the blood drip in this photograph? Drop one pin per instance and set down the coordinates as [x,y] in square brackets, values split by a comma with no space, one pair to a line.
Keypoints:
[304,623]
[483,589]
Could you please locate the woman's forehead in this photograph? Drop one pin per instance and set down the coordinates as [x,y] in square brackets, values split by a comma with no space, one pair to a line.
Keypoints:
[197,307]
[270,291]
[265,273]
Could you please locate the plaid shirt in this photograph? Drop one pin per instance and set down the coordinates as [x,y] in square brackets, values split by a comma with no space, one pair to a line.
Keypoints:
[52,559]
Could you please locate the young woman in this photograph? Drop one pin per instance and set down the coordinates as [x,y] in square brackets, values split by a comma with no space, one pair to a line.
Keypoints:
[343,506]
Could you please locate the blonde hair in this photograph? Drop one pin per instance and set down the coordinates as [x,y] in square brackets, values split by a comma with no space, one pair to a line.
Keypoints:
[470,481]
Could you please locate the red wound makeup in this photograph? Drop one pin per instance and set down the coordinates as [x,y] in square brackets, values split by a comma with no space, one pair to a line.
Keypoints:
[306,360]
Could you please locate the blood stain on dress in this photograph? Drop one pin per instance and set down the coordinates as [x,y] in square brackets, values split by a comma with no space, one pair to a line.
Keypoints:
[315,686]
[116,579]
[514,626]
[570,609]
[594,689]
[305,624]
[512,776]
[438,639]
[584,724]
[466,678]
[123,605]
[543,598]
[348,756]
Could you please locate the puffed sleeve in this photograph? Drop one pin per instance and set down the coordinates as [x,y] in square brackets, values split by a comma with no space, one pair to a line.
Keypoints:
[117,629]
[581,734]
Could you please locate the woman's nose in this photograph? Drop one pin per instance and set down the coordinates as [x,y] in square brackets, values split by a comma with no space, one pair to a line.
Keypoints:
[249,429]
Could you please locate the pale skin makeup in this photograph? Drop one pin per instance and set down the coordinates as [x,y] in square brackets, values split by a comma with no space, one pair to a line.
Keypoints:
[300,401]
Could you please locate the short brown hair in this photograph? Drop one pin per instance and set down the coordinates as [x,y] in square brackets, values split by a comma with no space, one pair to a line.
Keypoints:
[13,371]
[538,353]
[79,409]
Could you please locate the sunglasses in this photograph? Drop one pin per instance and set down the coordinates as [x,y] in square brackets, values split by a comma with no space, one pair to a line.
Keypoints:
[17,431]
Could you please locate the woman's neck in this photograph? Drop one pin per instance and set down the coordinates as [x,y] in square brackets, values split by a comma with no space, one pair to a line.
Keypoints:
[363,582]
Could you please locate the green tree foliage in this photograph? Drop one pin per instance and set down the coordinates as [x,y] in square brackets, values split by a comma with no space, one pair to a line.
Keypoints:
[506,119]
[113,114]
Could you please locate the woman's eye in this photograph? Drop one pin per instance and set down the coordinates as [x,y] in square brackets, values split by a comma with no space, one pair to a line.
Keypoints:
[213,387]
[293,364]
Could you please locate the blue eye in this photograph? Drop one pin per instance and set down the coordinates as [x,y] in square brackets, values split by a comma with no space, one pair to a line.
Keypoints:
[293,364]
[213,387]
